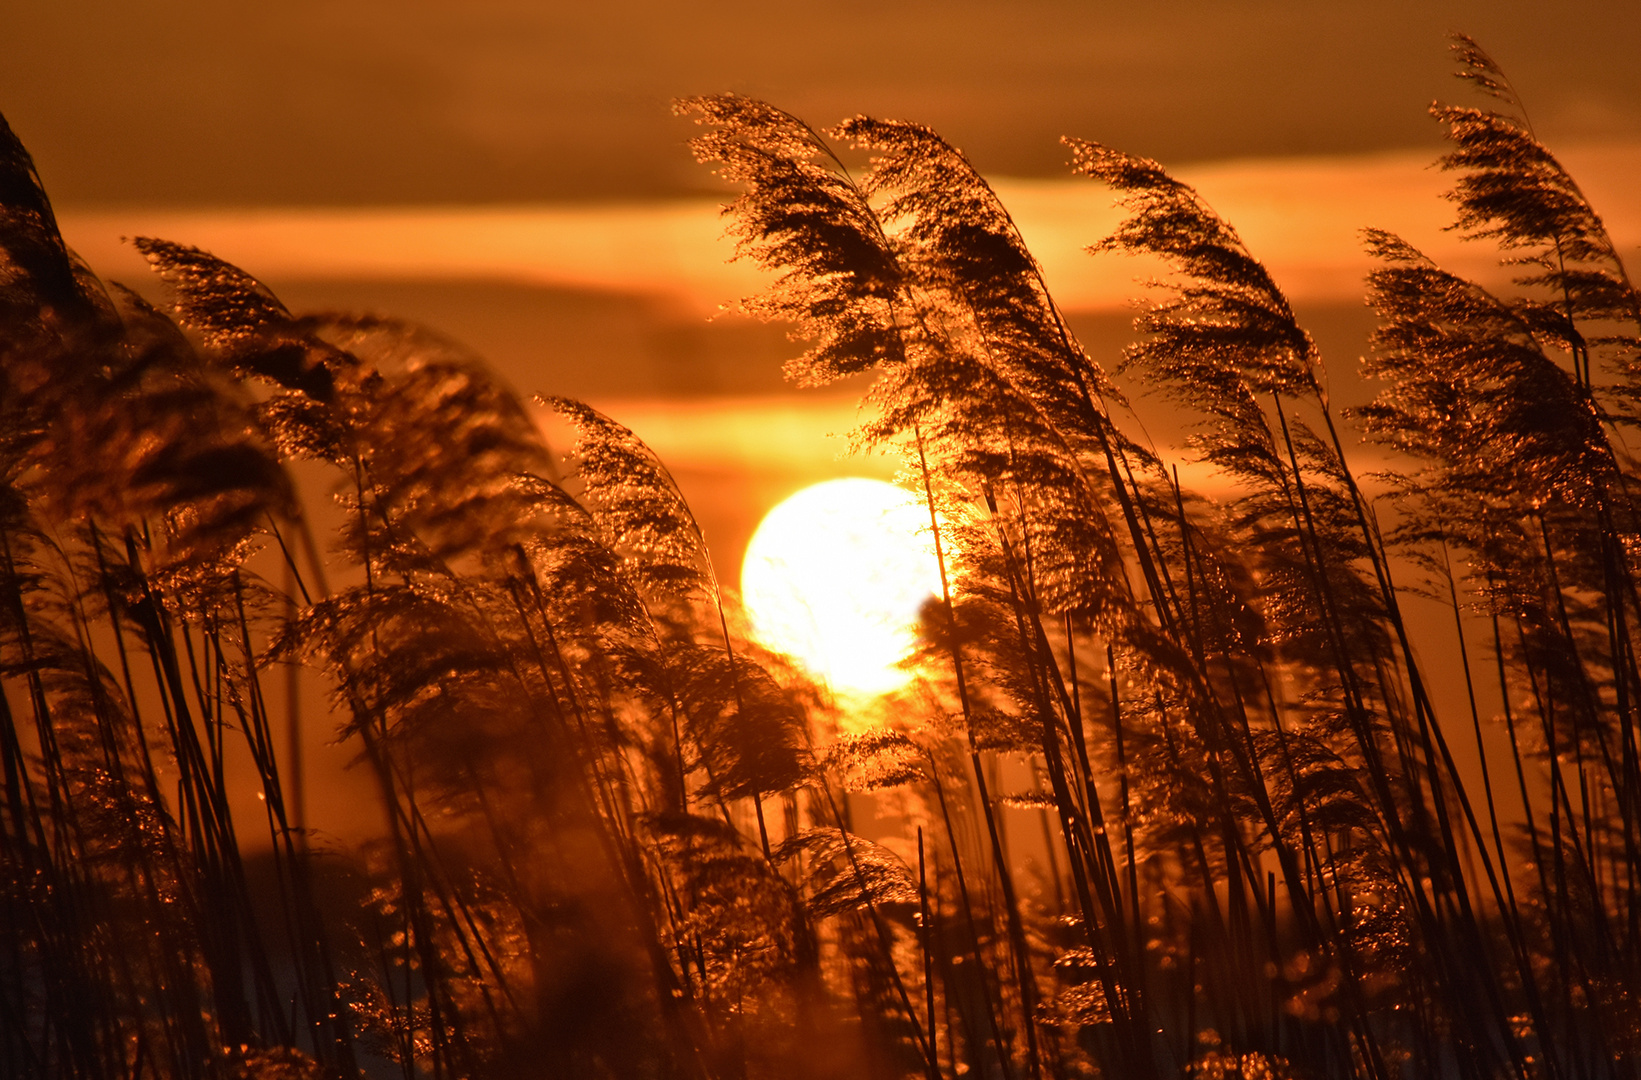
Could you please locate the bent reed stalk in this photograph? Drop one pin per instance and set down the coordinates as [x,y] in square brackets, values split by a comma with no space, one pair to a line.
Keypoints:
[1254,849]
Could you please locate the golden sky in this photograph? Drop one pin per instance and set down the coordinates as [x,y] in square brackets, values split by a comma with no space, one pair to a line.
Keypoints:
[1301,216]
[319,102]
[509,171]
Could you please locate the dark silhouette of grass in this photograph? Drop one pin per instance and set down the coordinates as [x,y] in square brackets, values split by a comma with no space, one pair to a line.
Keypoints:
[619,839]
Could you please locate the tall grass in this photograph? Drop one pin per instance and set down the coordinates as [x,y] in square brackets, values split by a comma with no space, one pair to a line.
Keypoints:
[1170,796]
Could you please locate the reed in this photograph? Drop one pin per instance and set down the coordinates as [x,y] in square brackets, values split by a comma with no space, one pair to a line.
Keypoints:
[618,835]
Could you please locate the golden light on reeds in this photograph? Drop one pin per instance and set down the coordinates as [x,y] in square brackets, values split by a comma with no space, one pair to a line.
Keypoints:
[834,578]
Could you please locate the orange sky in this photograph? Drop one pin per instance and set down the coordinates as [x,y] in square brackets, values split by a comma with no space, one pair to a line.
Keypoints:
[318,102]
[1300,215]
[737,440]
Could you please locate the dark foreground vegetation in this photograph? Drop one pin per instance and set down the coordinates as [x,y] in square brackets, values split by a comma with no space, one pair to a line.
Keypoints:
[619,840]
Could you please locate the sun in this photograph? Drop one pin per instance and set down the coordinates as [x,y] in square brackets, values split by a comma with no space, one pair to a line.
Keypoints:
[834,577]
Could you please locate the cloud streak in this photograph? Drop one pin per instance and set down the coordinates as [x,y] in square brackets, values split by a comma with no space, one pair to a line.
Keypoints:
[1300,216]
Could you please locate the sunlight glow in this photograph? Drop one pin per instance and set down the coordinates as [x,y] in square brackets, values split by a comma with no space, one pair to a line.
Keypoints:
[834,577]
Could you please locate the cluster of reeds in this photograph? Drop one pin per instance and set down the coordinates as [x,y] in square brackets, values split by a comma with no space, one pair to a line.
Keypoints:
[619,838]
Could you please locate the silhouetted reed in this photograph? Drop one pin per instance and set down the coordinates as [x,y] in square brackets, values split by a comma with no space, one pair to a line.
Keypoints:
[1169,796]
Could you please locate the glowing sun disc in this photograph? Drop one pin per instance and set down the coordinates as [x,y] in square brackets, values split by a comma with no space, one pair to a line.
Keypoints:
[834,577]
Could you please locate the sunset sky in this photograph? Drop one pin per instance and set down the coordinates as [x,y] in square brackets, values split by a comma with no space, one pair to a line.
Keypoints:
[511,173]
[317,102]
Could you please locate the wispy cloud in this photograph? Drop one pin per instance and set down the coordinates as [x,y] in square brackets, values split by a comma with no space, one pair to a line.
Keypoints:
[1299,215]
